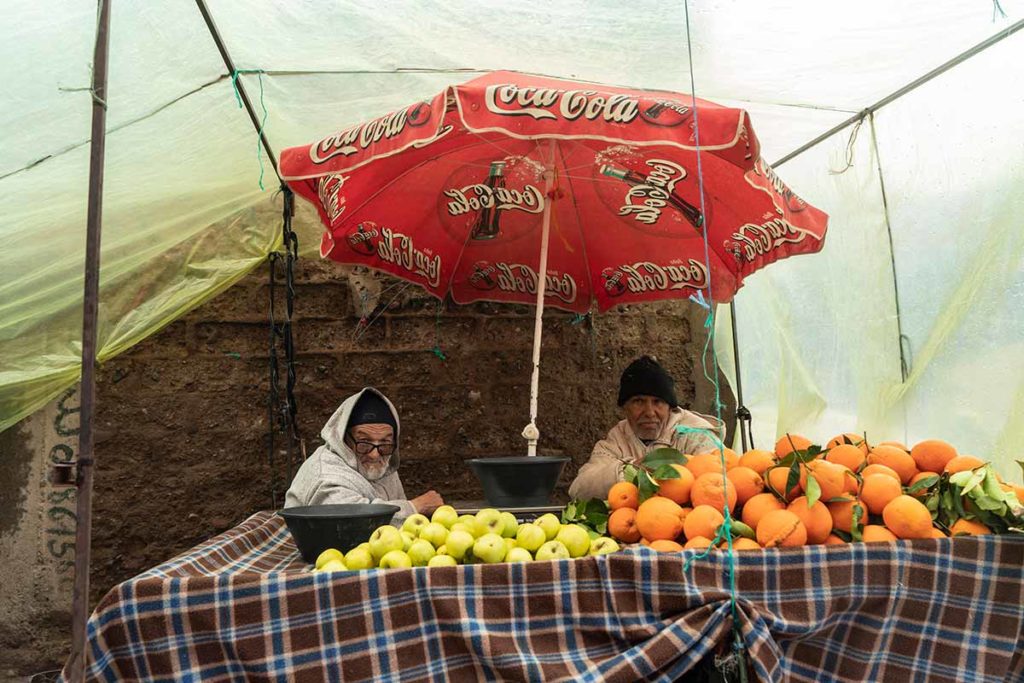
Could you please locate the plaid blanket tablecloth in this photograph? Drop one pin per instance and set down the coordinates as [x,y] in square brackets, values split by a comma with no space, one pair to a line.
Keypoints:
[243,606]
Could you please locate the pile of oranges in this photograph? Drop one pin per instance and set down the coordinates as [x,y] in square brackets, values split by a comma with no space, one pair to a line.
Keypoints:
[858,492]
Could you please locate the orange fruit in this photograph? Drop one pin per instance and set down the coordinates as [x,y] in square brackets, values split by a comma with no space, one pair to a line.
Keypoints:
[790,442]
[961,463]
[732,459]
[878,490]
[644,541]
[907,517]
[756,508]
[876,533]
[747,483]
[659,518]
[666,546]
[896,459]
[816,519]
[919,477]
[704,521]
[932,455]
[757,460]
[1019,492]
[677,490]
[713,489]
[834,540]
[741,543]
[704,463]
[968,527]
[623,495]
[776,479]
[698,542]
[848,456]
[622,525]
[781,528]
[849,439]
[831,478]
[842,513]
[880,469]
[937,533]
[897,444]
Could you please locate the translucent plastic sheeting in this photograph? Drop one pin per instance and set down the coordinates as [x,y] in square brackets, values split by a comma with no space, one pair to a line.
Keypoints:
[183,216]
[818,338]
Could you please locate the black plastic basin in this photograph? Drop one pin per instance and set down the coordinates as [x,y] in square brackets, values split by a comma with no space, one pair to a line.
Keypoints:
[316,528]
[520,481]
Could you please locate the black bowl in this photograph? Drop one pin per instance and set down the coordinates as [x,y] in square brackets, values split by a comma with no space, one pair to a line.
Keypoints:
[520,481]
[316,528]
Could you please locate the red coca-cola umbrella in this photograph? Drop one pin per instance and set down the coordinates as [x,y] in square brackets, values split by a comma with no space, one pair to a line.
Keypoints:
[477,191]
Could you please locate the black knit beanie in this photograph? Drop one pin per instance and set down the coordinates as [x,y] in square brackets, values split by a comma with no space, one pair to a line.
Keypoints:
[371,409]
[645,377]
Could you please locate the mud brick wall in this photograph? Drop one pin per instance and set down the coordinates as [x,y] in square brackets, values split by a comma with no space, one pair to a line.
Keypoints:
[182,423]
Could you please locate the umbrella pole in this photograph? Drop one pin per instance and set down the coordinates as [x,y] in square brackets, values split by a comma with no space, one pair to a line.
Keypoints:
[90,310]
[742,414]
[530,432]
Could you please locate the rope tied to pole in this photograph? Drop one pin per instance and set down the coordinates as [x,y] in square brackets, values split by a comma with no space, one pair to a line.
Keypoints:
[263,122]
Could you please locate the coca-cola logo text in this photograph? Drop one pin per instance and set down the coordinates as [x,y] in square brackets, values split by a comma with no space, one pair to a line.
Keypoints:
[764,177]
[399,249]
[647,276]
[363,238]
[753,241]
[645,201]
[551,103]
[517,278]
[472,198]
[328,191]
[352,140]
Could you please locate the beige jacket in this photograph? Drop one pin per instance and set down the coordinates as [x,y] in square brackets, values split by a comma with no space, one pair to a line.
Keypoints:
[330,475]
[622,446]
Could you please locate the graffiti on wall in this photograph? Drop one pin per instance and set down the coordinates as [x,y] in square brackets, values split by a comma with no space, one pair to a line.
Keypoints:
[60,502]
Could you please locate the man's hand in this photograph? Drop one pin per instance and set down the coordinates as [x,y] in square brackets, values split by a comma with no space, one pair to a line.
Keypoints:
[427,502]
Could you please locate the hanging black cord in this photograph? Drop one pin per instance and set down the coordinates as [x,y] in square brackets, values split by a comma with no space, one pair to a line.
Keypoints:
[291,245]
[273,399]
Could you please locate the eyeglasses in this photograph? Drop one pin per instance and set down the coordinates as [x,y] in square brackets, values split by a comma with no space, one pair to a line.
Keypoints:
[366,447]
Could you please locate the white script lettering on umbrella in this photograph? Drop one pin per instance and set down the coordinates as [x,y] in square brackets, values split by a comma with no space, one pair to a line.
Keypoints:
[396,248]
[472,198]
[512,100]
[646,200]
[647,276]
[757,240]
[521,278]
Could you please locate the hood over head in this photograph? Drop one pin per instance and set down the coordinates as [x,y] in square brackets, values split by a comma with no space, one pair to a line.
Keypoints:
[334,430]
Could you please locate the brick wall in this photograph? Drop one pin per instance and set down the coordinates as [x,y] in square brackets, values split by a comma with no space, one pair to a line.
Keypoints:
[182,423]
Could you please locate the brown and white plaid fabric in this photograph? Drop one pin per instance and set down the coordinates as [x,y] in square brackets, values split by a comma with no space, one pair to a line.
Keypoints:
[243,606]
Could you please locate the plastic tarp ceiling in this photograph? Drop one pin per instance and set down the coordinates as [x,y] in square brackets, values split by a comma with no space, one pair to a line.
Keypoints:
[184,216]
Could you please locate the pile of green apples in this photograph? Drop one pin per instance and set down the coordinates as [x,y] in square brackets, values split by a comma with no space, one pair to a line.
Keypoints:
[447,539]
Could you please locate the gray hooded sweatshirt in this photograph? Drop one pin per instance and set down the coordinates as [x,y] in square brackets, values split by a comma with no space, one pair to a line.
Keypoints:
[330,475]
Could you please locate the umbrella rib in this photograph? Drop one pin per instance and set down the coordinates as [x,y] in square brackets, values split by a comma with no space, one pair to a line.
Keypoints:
[579,228]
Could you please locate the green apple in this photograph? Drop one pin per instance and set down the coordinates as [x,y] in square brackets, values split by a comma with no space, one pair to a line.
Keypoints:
[328,555]
[333,566]
[489,548]
[396,559]
[518,555]
[550,524]
[530,537]
[385,539]
[510,543]
[434,533]
[364,545]
[510,526]
[445,516]
[420,552]
[575,539]
[442,561]
[602,545]
[414,524]
[552,550]
[458,543]
[490,521]
[441,550]
[359,558]
[407,540]
[462,526]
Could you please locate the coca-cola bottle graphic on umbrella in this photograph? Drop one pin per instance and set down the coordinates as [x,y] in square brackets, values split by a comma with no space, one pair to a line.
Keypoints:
[488,222]
[691,212]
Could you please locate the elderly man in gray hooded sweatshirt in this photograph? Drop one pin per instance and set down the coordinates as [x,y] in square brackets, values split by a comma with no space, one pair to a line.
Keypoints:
[358,462]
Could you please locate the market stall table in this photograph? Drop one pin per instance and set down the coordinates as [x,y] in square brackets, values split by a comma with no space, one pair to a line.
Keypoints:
[244,606]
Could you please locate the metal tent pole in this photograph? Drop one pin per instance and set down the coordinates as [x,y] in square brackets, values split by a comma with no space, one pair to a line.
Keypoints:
[742,414]
[90,309]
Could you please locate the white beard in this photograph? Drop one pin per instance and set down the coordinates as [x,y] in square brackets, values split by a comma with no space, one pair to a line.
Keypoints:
[375,471]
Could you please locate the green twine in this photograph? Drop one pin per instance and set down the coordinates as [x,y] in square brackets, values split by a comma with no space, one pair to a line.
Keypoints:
[578,318]
[437,335]
[238,96]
